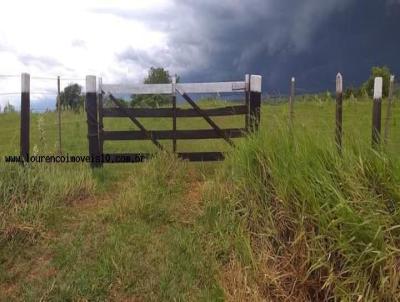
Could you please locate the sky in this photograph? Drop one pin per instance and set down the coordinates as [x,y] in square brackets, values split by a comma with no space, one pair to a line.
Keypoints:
[199,40]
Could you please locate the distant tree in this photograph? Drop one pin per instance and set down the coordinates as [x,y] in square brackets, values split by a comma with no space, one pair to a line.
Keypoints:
[9,108]
[108,103]
[377,71]
[155,76]
[350,92]
[71,97]
[363,93]
[158,76]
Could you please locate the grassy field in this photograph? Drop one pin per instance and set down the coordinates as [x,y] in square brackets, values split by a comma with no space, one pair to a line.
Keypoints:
[284,218]
[315,114]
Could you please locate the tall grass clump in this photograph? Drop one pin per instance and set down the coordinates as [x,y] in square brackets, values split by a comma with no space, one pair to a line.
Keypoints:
[322,225]
[153,190]
[28,194]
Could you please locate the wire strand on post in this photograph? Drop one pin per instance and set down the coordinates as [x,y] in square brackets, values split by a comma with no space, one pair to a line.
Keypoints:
[389,110]
[59,115]
[339,112]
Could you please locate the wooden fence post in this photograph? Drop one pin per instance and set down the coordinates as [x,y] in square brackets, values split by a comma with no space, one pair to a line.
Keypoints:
[291,100]
[247,101]
[25,116]
[100,116]
[59,114]
[339,111]
[174,113]
[255,101]
[389,109]
[376,112]
[92,122]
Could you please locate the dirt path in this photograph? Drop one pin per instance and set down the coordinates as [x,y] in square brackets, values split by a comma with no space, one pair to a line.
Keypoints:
[101,248]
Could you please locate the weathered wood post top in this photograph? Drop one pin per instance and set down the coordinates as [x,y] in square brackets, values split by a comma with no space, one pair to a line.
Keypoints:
[339,83]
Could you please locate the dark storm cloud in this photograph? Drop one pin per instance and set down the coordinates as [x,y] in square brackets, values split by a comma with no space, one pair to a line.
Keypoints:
[310,39]
[241,36]
[144,59]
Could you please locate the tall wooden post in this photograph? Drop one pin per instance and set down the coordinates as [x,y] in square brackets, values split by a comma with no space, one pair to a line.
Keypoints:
[389,109]
[291,100]
[247,101]
[92,122]
[25,116]
[339,111]
[100,116]
[376,112]
[174,113]
[255,102]
[59,115]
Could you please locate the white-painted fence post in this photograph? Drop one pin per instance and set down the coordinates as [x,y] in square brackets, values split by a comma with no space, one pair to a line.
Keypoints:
[174,112]
[92,121]
[255,101]
[25,116]
[291,100]
[376,112]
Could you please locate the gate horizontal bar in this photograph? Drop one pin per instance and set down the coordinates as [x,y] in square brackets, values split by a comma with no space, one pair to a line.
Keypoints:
[216,87]
[202,156]
[140,157]
[170,134]
[168,112]
[138,124]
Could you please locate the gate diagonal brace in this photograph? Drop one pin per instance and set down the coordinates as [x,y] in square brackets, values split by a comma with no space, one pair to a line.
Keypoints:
[136,122]
[205,116]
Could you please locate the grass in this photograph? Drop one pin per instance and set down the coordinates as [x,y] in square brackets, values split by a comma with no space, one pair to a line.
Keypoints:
[315,114]
[321,226]
[285,217]
[143,245]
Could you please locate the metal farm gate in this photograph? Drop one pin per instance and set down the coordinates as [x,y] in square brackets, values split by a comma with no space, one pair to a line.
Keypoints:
[97,135]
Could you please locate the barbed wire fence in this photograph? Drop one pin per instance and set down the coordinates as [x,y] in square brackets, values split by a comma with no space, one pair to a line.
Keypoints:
[42,89]
[44,94]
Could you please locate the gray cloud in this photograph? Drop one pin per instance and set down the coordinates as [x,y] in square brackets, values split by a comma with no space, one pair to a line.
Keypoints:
[78,43]
[153,18]
[4,47]
[39,61]
[311,39]
[145,59]
[232,34]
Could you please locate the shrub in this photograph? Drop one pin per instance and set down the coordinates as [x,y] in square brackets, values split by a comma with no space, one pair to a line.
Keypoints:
[376,71]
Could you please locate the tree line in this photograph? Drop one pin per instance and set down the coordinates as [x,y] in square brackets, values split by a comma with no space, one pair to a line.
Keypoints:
[71,98]
[367,88]
[155,76]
